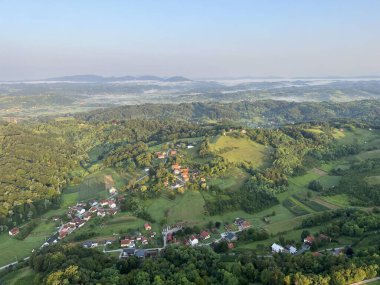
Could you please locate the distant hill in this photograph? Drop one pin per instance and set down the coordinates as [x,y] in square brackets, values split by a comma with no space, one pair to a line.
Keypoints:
[101,79]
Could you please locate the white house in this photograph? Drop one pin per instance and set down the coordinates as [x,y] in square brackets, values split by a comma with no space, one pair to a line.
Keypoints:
[112,190]
[277,248]
[292,250]
[193,241]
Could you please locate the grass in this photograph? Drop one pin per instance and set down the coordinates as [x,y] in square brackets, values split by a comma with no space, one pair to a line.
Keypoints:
[241,149]
[21,276]
[329,181]
[235,179]
[92,186]
[340,200]
[373,180]
[188,207]
[12,249]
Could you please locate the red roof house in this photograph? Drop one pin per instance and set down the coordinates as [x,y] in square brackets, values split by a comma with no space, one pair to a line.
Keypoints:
[14,231]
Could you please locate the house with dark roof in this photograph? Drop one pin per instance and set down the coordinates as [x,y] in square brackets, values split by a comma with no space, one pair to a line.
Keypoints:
[230,237]
[141,253]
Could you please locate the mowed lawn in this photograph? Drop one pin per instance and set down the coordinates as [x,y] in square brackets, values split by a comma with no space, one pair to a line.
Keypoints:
[241,149]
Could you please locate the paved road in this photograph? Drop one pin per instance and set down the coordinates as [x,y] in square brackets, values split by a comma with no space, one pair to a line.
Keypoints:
[11,264]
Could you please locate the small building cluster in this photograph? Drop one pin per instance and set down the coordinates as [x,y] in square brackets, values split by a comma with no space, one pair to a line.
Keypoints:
[83,212]
[242,224]
[138,239]
[276,248]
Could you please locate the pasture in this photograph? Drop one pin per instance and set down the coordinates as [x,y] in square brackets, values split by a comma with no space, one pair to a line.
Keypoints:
[241,149]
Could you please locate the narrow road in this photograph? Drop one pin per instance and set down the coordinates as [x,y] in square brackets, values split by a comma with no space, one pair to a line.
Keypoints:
[366,281]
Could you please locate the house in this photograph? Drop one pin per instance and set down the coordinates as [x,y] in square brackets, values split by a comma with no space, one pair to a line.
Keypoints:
[104,203]
[127,252]
[144,240]
[93,209]
[244,225]
[112,191]
[101,213]
[147,227]
[141,253]
[230,237]
[230,245]
[169,237]
[90,244]
[112,204]
[316,254]
[276,248]
[205,235]
[176,167]
[193,241]
[239,221]
[127,243]
[94,203]
[112,212]
[80,211]
[13,232]
[87,216]
[291,249]
[161,155]
[309,240]
[80,224]
[108,242]
[190,146]
[173,152]
[152,235]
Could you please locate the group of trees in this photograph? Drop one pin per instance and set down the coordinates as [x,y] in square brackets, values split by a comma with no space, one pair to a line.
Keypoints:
[348,222]
[69,264]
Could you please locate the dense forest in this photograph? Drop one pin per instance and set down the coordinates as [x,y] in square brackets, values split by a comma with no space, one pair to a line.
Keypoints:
[265,112]
[34,168]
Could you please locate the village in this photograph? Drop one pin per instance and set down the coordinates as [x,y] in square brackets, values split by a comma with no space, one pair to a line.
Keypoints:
[148,242]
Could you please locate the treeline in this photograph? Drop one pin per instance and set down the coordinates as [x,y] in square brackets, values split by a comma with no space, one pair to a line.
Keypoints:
[348,222]
[69,264]
[273,112]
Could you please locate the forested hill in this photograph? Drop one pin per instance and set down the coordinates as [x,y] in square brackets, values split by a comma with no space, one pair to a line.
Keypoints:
[259,113]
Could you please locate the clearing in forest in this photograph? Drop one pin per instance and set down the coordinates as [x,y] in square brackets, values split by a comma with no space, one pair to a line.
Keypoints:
[241,149]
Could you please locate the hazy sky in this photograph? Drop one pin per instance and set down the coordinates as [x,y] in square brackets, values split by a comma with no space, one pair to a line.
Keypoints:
[205,38]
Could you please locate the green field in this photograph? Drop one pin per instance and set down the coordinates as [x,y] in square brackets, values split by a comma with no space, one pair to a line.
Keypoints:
[329,181]
[373,180]
[241,149]
[92,186]
[21,276]
[340,200]
[12,249]
[235,179]
[188,207]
